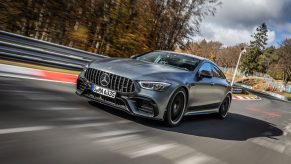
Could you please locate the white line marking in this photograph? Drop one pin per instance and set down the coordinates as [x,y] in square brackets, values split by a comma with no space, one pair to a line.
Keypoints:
[197,159]
[152,150]
[270,145]
[24,129]
[98,124]
[89,125]
[134,145]
[113,133]
[287,129]
[78,118]
[119,140]
[18,70]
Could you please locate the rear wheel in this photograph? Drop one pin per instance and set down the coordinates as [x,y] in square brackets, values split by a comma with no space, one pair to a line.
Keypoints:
[176,108]
[224,107]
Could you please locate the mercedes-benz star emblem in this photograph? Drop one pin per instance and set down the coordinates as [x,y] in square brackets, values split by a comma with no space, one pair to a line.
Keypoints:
[104,79]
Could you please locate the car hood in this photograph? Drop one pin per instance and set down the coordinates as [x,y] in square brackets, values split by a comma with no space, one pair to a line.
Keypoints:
[138,70]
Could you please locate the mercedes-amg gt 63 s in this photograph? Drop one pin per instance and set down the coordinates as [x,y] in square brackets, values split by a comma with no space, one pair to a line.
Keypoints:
[160,85]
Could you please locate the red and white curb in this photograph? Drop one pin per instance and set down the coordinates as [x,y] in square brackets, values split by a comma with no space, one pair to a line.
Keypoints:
[245,98]
[29,73]
[60,77]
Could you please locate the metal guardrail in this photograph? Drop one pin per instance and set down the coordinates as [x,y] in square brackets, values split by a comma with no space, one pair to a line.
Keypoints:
[25,48]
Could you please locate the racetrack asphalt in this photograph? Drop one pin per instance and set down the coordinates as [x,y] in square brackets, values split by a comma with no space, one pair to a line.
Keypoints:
[45,122]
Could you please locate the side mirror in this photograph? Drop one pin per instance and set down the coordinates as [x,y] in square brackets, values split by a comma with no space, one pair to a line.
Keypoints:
[205,74]
[132,56]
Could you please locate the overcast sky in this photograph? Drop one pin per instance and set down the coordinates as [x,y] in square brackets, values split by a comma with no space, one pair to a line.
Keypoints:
[236,20]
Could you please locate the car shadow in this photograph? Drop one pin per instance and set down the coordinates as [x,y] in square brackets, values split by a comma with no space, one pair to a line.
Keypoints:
[235,127]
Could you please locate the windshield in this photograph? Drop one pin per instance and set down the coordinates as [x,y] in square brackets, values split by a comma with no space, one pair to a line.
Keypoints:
[171,59]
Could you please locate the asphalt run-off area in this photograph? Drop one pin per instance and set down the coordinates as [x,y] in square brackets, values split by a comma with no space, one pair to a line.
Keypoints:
[45,122]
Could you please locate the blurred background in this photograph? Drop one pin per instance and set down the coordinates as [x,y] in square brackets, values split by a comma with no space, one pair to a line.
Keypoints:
[44,44]
[121,28]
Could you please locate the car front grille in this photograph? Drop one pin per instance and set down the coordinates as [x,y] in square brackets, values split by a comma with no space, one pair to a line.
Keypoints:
[116,83]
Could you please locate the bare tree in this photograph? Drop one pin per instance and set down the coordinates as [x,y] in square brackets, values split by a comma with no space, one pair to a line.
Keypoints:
[205,49]
[284,62]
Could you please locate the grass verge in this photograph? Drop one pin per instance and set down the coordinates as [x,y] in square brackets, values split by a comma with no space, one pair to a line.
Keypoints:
[288,95]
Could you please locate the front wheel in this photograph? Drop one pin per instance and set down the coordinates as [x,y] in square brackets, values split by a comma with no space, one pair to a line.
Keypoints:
[176,108]
[224,107]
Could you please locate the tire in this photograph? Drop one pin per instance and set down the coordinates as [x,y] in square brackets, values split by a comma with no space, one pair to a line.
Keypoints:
[176,108]
[224,107]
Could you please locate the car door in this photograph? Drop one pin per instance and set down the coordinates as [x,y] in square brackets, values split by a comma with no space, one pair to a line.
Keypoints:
[201,92]
[219,88]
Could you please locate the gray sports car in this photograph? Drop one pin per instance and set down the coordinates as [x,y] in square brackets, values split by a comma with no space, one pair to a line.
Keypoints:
[161,85]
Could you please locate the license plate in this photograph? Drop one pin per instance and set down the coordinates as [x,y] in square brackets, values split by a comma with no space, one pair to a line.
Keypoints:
[103,91]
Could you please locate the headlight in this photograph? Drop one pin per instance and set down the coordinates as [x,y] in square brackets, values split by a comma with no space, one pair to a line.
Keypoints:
[152,85]
[85,67]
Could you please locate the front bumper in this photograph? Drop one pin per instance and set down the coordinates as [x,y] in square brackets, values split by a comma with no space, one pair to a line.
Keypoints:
[144,103]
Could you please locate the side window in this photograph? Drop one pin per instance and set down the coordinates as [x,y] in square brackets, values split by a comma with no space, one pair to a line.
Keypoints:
[206,67]
[217,72]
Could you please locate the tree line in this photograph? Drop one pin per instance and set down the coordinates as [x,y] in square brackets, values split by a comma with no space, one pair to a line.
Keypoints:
[122,28]
[215,51]
[112,27]
[275,61]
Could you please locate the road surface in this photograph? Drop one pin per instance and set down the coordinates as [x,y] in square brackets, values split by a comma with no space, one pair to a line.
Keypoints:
[45,122]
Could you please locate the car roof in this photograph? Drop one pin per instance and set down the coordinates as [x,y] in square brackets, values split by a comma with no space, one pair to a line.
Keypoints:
[186,54]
